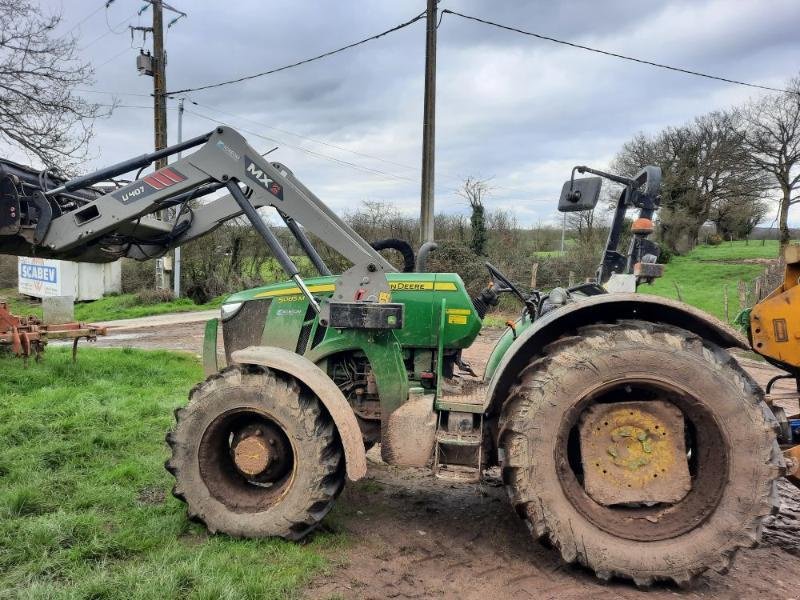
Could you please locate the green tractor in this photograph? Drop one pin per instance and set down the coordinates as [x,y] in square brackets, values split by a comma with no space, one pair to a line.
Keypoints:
[626,434]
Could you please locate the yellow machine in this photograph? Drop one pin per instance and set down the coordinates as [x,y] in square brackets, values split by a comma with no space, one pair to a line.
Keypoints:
[774,331]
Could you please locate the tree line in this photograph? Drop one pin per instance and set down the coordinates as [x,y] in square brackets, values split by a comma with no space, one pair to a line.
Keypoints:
[730,167]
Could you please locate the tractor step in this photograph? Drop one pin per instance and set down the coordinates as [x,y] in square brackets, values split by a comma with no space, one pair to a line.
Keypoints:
[468,397]
[458,474]
[459,446]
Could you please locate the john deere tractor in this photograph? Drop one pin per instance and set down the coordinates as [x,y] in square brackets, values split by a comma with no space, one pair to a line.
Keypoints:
[626,434]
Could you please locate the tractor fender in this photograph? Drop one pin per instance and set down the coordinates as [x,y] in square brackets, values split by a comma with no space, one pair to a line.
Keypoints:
[328,393]
[603,308]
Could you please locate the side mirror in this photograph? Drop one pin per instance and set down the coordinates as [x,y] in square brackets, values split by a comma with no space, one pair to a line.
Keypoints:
[580,194]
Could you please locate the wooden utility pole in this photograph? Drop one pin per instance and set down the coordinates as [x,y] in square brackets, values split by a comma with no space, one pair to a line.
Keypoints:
[429,127]
[155,65]
[159,81]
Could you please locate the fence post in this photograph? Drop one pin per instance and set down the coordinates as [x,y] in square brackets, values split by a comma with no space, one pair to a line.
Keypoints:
[742,295]
[571,279]
[534,272]
[727,315]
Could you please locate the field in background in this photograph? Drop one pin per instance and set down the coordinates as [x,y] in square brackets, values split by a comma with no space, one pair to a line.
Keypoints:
[85,509]
[121,306]
[702,275]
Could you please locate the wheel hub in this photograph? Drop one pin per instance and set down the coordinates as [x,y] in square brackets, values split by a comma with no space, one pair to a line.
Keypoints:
[252,455]
[634,452]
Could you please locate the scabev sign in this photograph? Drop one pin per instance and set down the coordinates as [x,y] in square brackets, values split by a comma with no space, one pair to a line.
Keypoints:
[40,277]
[38,273]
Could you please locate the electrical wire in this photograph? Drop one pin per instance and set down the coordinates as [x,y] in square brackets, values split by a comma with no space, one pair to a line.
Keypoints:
[451,177]
[110,28]
[302,62]
[97,39]
[306,150]
[615,54]
[113,58]
[305,137]
[86,91]
[86,18]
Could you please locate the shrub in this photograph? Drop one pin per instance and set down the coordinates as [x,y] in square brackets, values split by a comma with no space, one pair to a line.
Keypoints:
[152,296]
[665,255]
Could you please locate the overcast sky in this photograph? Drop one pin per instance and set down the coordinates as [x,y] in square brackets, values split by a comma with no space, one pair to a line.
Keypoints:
[510,107]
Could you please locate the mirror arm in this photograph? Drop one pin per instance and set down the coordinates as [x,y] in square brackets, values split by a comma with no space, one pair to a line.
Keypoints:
[610,176]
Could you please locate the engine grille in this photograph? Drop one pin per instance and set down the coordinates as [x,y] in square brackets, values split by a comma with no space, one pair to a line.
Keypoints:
[245,327]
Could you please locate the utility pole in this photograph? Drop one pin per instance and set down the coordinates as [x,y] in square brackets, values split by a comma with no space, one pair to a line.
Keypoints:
[176,267]
[159,81]
[429,127]
[155,65]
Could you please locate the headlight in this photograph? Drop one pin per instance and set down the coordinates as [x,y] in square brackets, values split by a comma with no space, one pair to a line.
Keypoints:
[229,310]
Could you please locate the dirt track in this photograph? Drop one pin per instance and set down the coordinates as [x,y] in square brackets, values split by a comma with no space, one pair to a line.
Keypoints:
[414,536]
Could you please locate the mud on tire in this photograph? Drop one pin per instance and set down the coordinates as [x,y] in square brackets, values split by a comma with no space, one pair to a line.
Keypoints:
[545,492]
[220,496]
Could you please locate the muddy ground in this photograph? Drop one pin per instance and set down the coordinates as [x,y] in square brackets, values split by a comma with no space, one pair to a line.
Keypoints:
[413,536]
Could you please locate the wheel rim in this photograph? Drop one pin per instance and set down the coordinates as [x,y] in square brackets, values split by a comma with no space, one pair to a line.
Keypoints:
[246,460]
[707,462]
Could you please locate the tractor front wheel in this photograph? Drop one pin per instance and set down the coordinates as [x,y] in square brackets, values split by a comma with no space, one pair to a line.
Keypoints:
[255,454]
[640,451]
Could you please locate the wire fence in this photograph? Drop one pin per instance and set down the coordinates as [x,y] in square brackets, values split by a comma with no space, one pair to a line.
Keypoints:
[755,290]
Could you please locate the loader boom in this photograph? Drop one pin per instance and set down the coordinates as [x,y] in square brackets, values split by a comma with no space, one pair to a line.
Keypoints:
[76,220]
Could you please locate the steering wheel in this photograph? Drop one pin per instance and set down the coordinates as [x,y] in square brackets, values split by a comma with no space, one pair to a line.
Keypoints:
[507,286]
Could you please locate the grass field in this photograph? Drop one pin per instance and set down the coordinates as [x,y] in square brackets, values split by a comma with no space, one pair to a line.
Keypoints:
[121,306]
[85,509]
[703,273]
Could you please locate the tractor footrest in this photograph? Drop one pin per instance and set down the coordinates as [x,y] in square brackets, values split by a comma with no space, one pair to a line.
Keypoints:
[459,446]
[458,474]
[469,397]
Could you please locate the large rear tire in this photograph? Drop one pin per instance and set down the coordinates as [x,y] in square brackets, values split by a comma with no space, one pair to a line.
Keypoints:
[255,454]
[733,456]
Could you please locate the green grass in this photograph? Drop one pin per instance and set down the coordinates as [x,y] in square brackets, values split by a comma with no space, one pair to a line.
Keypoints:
[85,508]
[738,250]
[703,273]
[122,306]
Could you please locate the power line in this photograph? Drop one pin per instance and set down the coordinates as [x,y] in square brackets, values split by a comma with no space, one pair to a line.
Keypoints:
[305,137]
[86,91]
[97,39]
[86,18]
[110,28]
[305,150]
[113,58]
[616,55]
[304,61]
[330,145]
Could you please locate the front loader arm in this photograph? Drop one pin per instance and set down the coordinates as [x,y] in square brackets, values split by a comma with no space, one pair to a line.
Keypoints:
[225,156]
[101,227]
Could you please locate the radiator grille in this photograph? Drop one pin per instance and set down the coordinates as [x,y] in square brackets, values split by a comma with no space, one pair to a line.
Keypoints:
[245,327]
[305,332]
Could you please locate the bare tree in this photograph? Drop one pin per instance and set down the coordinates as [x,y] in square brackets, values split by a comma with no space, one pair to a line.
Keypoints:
[772,135]
[704,163]
[474,191]
[39,70]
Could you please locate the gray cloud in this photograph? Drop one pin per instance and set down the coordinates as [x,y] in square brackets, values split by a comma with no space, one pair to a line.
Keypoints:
[515,108]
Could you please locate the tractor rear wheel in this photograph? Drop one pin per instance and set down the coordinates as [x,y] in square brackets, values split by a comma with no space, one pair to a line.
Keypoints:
[255,454]
[640,450]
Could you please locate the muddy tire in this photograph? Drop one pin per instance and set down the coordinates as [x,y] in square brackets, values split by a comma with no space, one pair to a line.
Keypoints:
[734,455]
[255,454]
